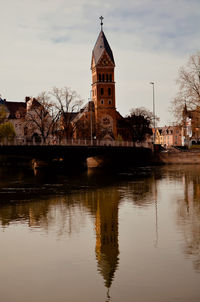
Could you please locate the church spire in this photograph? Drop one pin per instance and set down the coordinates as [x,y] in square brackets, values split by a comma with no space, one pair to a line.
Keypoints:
[101,18]
[101,46]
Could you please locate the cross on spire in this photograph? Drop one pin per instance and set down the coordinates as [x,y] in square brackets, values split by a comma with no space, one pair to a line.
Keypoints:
[101,18]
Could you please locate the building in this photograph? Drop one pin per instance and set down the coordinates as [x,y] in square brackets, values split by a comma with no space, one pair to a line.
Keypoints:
[103,88]
[30,119]
[15,114]
[169,136]
[191,125]
[100,116]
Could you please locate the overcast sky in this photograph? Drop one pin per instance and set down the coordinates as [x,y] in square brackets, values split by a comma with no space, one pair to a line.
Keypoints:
[46,43]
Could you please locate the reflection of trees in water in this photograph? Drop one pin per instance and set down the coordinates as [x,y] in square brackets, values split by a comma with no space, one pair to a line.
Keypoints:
[62,212]
[141,192]
[190,224]
[65,214]
[43,210]
[68,214]
[188,210]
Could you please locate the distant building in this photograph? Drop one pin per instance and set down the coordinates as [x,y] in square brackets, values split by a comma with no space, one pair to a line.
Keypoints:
[16,116]
[191,125]
[19,114]
[169,136]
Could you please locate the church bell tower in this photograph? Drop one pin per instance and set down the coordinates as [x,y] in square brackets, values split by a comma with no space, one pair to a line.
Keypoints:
[103,88]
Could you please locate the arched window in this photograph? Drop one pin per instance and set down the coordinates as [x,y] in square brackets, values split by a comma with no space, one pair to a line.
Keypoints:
[103,77]
[99,77]
[25,130]
[109,102]
[101,91]
[102,102]
[109,91]
[110,77]
[106,77]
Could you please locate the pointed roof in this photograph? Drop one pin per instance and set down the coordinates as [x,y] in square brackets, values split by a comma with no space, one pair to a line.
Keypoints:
[101,45]
[13,107]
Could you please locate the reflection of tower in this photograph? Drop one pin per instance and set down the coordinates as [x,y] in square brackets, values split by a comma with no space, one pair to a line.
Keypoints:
[107,249]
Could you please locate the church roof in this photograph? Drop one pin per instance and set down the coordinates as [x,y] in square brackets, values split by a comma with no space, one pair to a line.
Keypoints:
[13,107]
[101,45]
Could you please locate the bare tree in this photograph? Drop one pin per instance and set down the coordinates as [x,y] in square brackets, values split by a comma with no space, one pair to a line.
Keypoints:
[189,87]
[68,104]
[41,116]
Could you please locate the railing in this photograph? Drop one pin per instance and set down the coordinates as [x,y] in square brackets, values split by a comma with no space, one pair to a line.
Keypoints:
[74,142]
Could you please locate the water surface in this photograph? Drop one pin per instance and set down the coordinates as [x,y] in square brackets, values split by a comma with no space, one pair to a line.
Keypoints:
[100,236]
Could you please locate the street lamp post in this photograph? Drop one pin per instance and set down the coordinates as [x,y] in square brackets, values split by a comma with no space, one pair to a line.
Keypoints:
[91,111]
[154,117]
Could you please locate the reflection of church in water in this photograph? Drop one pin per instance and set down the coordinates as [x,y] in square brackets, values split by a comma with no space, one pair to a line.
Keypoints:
[107,248]
[103,204]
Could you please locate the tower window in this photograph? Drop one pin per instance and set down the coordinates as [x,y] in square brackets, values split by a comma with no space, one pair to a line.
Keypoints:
[106,77]
[102,102]
[101,91]
[109,102]
[99,77]
[25,130]
[110,77]
[103,77]
[109,91]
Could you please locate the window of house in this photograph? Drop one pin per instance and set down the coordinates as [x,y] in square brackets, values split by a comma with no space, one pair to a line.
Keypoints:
[101,91]
[109,91]
[25,130]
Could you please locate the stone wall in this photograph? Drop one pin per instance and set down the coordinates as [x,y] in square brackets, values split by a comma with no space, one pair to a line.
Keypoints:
[187,157]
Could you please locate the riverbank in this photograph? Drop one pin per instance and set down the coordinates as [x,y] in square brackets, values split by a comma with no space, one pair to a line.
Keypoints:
[178,157]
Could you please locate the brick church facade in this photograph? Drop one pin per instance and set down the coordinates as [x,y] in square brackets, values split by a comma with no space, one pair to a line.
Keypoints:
[100,113]
[103,88]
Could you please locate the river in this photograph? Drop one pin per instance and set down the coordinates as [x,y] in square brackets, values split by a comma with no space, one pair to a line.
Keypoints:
[100,235]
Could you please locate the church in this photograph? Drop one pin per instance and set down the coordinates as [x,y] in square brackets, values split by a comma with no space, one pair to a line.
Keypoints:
[100,115]
[98,119]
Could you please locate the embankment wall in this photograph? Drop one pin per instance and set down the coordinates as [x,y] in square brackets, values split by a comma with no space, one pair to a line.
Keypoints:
[173,157]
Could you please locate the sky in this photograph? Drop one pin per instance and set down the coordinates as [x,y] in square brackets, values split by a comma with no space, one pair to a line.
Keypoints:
[47,43]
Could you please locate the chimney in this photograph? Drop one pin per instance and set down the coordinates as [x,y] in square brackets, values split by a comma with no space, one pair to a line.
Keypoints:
[27,98]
